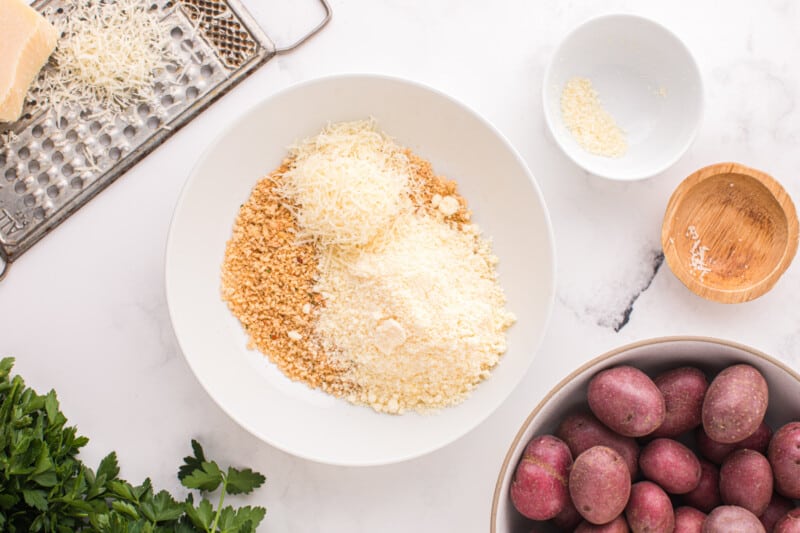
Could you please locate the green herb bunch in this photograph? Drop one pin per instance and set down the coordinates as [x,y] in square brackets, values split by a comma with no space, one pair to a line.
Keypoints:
[45,487]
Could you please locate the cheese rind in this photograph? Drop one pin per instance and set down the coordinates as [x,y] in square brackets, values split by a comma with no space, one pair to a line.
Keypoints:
[26,41]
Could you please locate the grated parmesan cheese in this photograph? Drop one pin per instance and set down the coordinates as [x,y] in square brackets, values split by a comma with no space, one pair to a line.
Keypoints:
[107,56]
[420,316]
[590,124]
[697,255]
[350,181]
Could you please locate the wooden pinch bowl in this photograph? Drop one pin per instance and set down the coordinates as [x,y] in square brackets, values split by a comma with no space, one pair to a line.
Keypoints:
[729,232]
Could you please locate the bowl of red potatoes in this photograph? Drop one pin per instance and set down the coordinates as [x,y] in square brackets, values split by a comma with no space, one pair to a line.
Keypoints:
[678,434]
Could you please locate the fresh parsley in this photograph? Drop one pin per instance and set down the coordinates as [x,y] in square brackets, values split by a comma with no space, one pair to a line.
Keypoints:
[45,487]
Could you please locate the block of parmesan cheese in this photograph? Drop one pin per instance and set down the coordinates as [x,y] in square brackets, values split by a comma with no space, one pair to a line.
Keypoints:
[26,41]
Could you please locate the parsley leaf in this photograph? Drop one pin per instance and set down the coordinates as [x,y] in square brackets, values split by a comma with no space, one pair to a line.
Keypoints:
[192,462]
[206,478]
[243,481]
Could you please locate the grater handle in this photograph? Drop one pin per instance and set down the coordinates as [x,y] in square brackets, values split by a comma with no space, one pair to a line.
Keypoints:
[327,7]
[5,264]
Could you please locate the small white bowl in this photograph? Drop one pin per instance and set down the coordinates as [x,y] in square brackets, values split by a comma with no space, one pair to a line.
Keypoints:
[648,81]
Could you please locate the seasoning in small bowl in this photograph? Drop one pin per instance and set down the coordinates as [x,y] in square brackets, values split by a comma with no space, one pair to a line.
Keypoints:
[729,232]
[623,97]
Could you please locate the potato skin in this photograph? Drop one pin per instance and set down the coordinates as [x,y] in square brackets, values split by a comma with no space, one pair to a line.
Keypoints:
[732,519]
[671,465]
[790,523]
[649,509]
[568,518]
[689,520]
[777,509]
[599,484]
[758,441]
[539,488]
[706,495]
[716,452]
[618,525]
[784,456]
[683,390]
[583,430]
[735,404]
[626,400]
[745,479]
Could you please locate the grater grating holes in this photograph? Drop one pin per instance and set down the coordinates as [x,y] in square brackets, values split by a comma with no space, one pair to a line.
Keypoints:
[227,35]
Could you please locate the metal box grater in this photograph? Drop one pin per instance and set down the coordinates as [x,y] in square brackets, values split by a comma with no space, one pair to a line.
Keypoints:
[51,166]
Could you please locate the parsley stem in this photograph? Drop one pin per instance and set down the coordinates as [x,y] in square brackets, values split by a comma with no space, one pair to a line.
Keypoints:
[219,505]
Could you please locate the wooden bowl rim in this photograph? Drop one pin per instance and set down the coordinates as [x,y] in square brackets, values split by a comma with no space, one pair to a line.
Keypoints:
[596,361]
[745,292]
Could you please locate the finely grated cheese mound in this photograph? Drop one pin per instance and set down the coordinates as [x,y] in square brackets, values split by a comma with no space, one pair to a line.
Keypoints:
[107,56]
[590,124]
[420,316]
[350,182]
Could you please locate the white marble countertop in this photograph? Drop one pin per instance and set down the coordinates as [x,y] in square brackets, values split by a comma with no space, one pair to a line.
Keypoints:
[84,311]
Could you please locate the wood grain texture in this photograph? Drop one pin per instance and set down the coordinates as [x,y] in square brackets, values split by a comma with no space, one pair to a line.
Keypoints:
[745,220]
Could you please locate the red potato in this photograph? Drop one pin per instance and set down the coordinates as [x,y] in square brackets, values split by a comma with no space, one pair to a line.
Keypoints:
[735,404]
[706,495]
[618,525]
[784,456]
[626,400]
[790,523]
[649,509]
[581,431]
[684,390]
[539,488]
[716,452]
[568,518]
[689,520]
[745,479]
[758,441]
[732,519]
[670,464]
[599,484]
[777,509]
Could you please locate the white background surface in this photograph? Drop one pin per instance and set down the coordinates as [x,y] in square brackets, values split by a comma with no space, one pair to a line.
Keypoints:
[84,311]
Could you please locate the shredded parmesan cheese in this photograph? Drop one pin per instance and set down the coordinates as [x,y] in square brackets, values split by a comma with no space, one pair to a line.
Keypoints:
[421,317]
[697,255]
[350,182]
[107,56]
[590,124]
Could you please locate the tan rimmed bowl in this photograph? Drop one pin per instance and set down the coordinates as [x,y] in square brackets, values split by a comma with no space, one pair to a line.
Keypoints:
[729,232]
[652,356]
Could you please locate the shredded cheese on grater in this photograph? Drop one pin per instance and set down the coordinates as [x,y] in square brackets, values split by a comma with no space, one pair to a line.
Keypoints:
[107,56]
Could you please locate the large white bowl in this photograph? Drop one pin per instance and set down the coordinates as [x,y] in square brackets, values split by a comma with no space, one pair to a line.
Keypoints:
[500,190]
[652,356]
[646,79]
